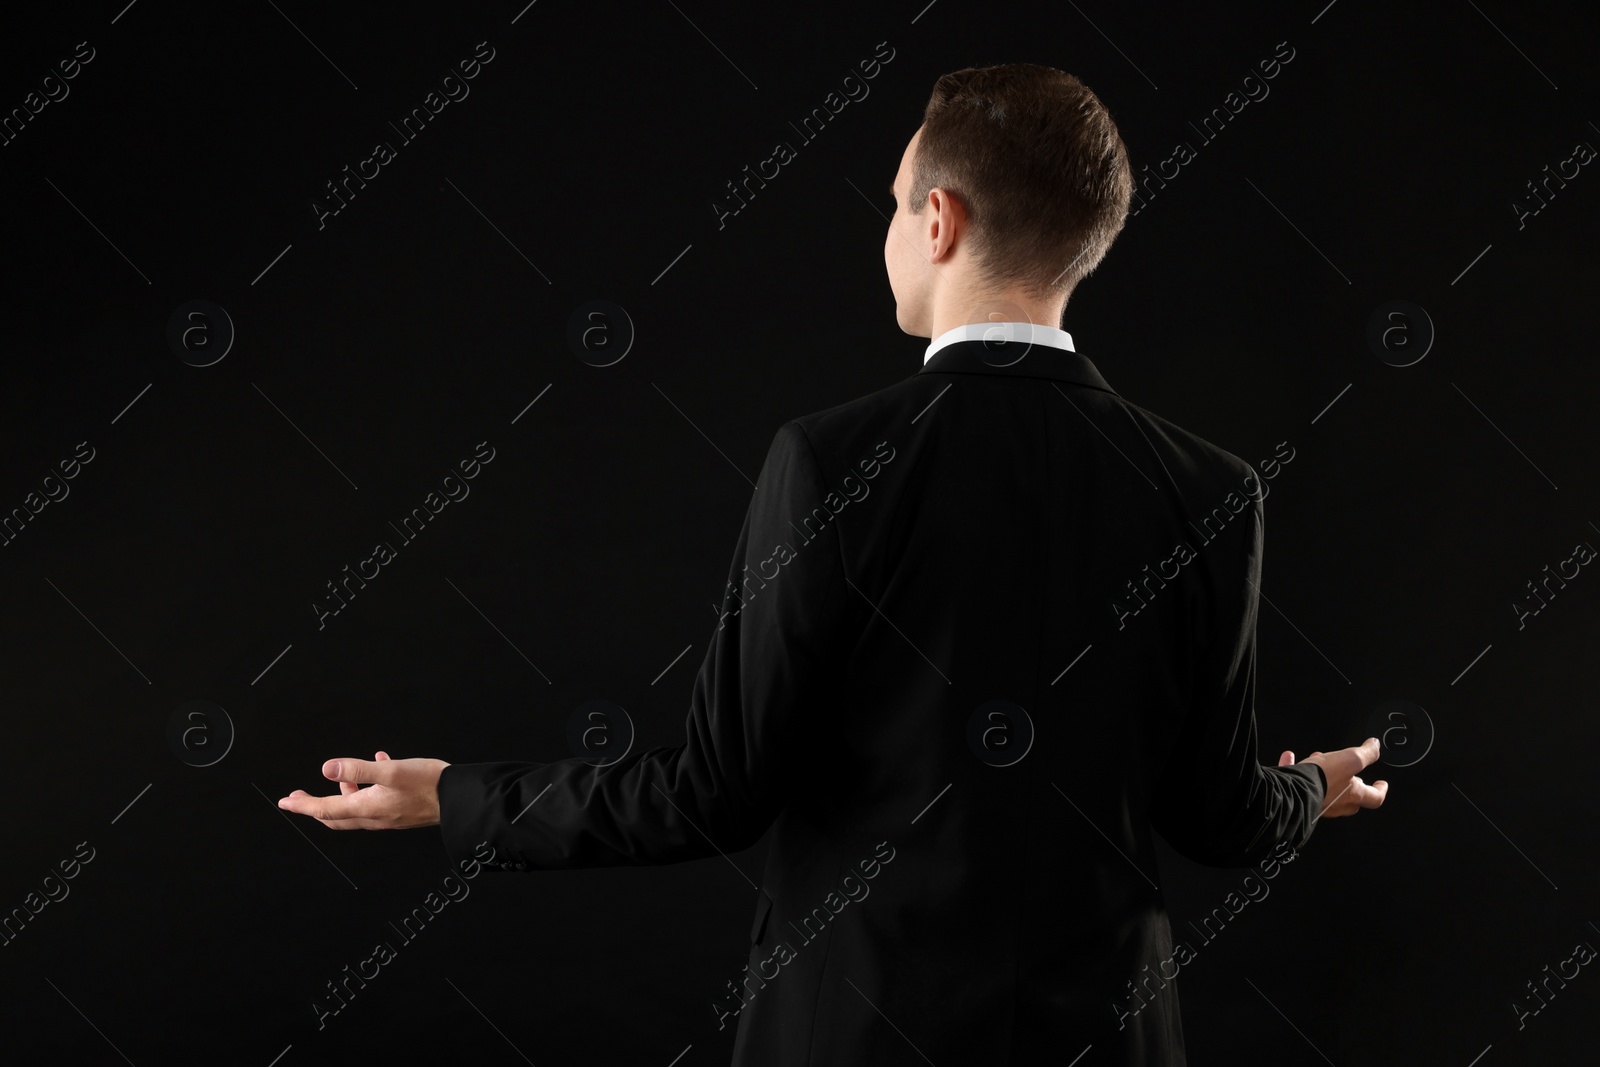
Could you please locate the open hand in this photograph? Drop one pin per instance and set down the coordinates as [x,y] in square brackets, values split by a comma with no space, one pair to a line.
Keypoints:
[399,794]
[1347,792]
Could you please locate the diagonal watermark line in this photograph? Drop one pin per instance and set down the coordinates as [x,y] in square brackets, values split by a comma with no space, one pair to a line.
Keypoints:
[499,631]
[1265,822]
[1069,266]
[131,803]
[269,266]
[1502,433]
[99,631]
[1149,444]
[932,402]
[490,1021]
[1102,433]
[702,833]
[1326,805]
[1513,44]
[899,631]
[713,44]
[90,1021]
[1468,667]
[890,1021]
[1301,232]
[1113,44]
[530,803]
[1324,11]
[668,667]
[532,402]
[269,666]
[1301,632]
[669,266]
[501,232]
[302,433]
[132,402]
[932,802]
[1102,833]
[1502,833]
[1069,666]
[301,832]
[101,232]
[1332,402]
[1469,266]
[892,226]
[313,44]
[868,199]
[1289,1021]
[702,433]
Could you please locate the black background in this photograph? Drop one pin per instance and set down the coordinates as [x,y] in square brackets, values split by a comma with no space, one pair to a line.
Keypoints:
[374,353]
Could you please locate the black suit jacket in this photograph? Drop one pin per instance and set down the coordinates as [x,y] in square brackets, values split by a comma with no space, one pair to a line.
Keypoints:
[985,629]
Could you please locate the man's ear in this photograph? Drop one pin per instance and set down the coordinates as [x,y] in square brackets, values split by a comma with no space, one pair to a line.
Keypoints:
[947,223]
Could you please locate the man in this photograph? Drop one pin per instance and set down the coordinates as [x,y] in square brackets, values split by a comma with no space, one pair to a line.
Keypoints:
[985,629]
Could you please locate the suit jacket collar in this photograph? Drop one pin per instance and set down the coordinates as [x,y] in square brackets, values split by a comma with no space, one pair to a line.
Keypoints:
[1036,361]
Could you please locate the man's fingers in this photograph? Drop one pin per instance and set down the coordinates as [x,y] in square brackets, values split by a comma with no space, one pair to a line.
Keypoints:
[347,788]
[1286,759]
[325,809]
[349,824]
[356,770]
[1357,758]
[1371,796]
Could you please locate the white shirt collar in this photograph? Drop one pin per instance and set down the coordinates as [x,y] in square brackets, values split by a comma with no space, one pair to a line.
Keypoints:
[1026,332]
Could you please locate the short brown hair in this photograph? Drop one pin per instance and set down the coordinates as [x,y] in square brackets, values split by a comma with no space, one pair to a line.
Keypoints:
[1033,156]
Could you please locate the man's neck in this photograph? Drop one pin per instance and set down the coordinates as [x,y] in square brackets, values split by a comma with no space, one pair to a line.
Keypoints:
[958,309]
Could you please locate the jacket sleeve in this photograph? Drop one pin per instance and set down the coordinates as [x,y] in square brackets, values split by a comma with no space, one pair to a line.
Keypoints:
[758,705]
[1216,803]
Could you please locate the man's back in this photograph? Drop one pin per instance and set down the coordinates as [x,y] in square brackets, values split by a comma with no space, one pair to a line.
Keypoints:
[983,631]
[965,864]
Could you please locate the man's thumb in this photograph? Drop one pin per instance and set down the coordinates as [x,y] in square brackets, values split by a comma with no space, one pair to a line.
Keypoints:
[1286,759]
[349,770]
